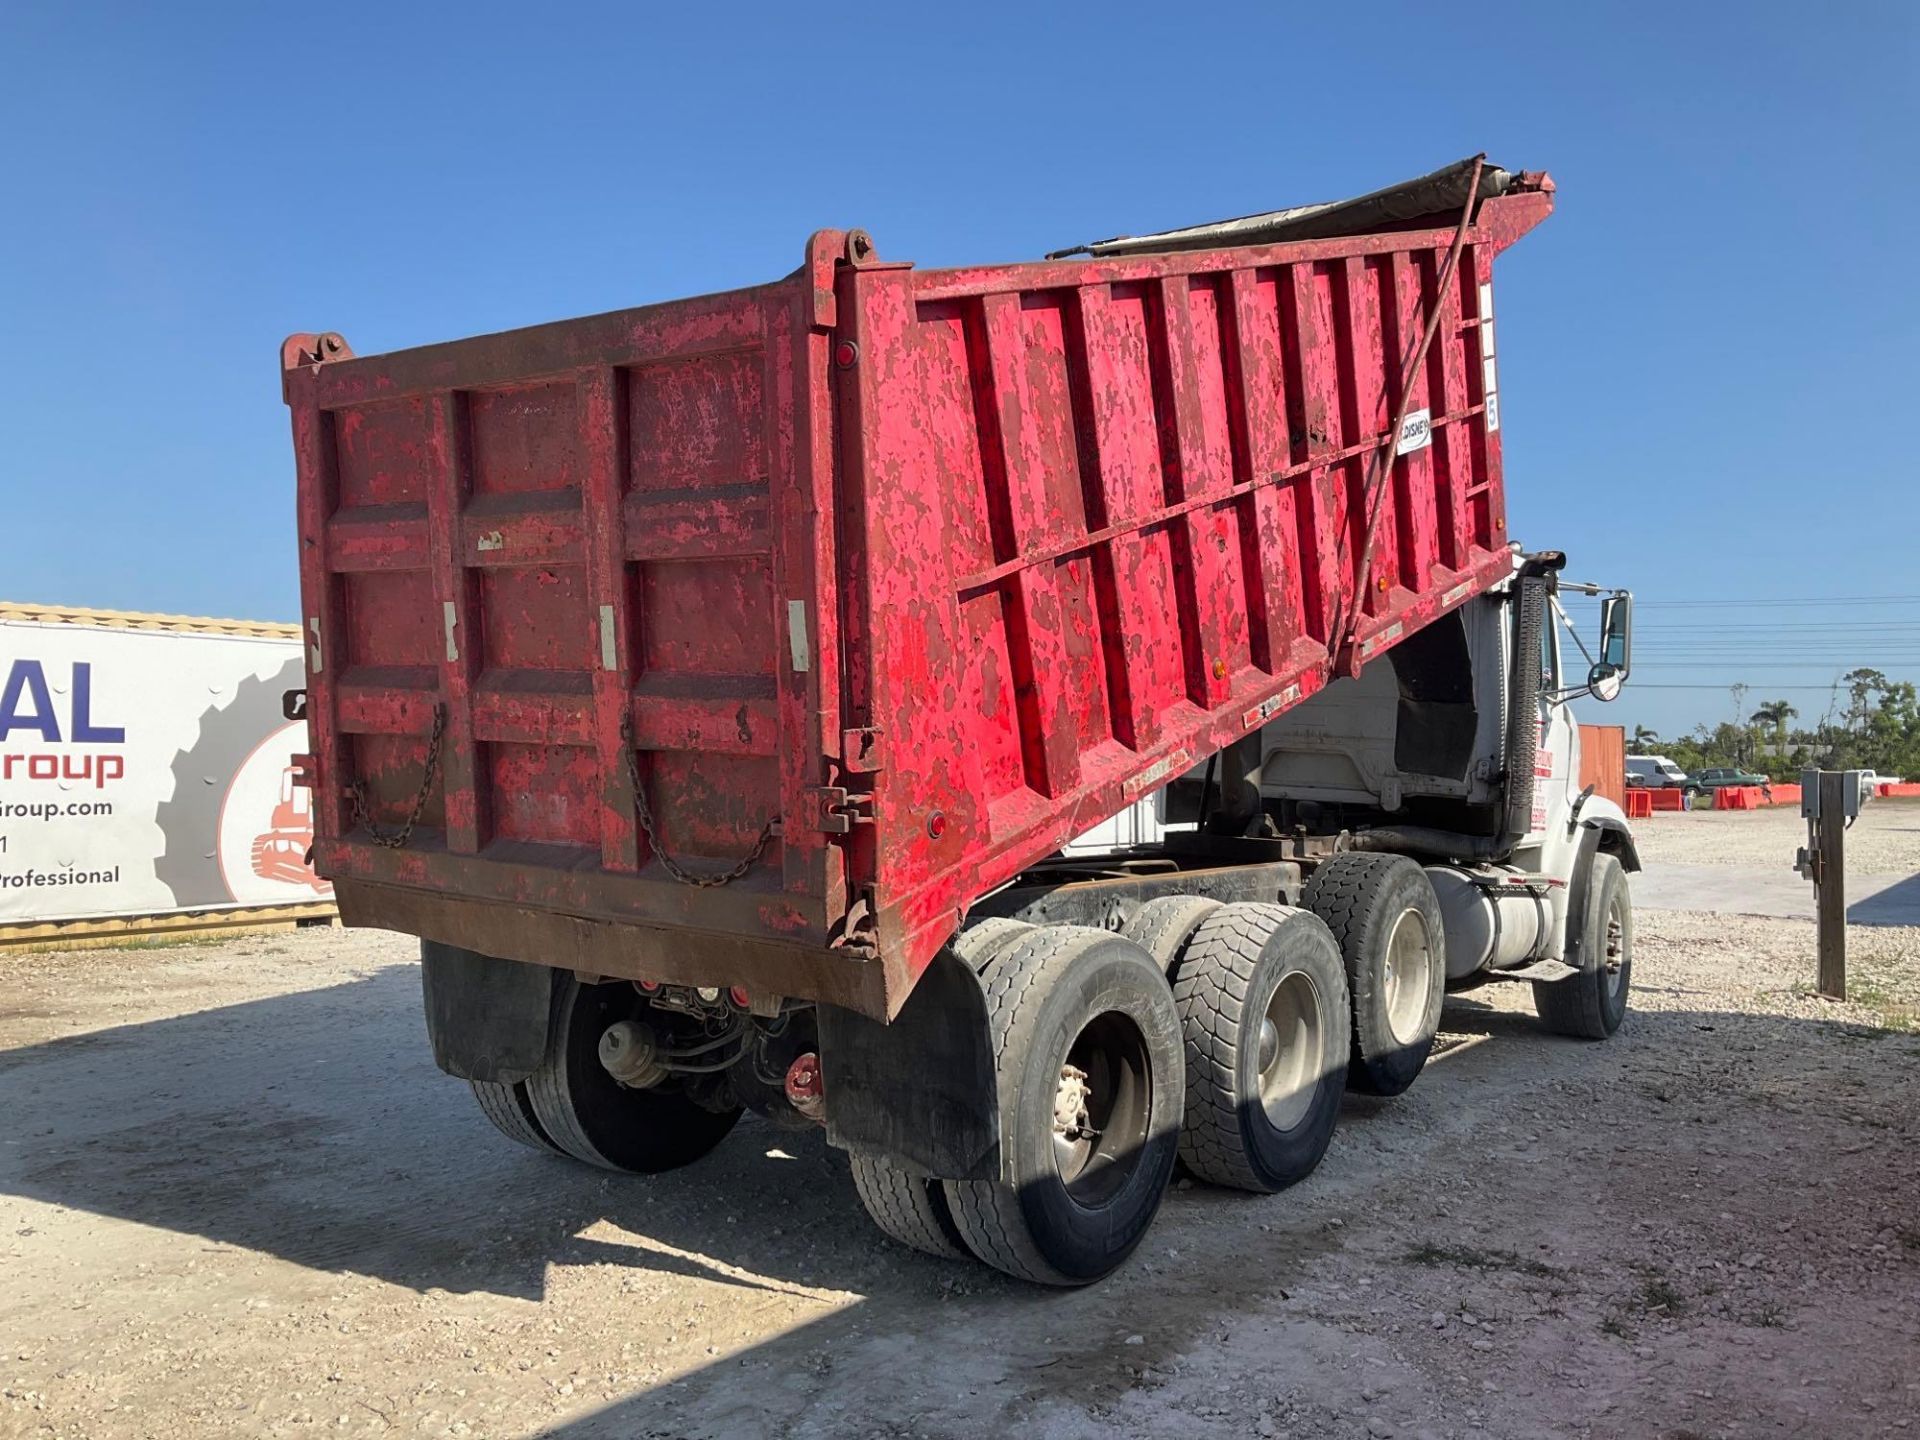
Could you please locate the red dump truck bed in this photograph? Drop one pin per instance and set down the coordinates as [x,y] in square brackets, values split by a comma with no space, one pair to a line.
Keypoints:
[879,583]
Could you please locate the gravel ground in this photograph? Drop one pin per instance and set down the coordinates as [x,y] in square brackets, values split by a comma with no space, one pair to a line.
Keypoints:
[1885,840]
[237,1199]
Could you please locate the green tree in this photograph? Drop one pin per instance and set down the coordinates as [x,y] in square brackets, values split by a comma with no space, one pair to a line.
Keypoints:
[1775,714]
[1891,742]
[1864,686]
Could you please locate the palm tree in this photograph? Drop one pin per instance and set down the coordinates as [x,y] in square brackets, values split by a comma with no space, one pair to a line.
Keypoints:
[1776,713]
[1644,740]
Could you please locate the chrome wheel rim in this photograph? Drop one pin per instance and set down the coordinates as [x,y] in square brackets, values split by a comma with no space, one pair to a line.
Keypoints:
[1291,1043]
[1408,975]
[1102,1107]
[1613,959]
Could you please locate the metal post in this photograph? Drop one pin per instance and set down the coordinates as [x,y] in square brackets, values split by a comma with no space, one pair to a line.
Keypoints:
[1830,881]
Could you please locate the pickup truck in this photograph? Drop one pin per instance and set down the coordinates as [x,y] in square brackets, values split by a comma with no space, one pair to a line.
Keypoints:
[1718,777]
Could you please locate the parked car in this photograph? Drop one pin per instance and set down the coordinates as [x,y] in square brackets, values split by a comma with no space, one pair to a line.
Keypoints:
[1656,772]
[1718,777]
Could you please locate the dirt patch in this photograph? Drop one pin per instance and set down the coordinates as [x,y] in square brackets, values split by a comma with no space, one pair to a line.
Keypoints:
[237,1199]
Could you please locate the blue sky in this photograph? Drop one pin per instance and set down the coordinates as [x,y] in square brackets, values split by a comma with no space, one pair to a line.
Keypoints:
[1708,356]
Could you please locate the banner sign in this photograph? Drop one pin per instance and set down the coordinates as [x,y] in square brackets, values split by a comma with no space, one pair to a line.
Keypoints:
[146,771]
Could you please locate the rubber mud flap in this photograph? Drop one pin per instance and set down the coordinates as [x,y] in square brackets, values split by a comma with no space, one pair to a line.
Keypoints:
[487,1018]
[921,1090]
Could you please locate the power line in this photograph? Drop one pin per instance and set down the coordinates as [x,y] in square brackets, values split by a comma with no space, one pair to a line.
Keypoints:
[1779,600]
[1856,659]
[1824,644]
[1670,685]
[1734,667]
[1838,627]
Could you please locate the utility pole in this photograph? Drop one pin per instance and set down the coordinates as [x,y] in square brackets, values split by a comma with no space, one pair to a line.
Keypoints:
[1829,799]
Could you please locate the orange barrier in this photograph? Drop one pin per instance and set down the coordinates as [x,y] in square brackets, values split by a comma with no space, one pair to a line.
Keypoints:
[1663,799]
[1905,791]
[1784,795]
[1639,803]
[1737,797]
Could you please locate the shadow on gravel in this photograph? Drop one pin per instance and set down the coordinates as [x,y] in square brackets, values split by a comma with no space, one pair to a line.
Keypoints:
[1896,905]
[315,1128]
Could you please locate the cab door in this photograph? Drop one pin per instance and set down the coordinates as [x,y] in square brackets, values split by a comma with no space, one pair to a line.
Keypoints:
[1556,765]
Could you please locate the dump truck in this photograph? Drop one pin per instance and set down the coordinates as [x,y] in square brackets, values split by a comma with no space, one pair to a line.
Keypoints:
[743,699]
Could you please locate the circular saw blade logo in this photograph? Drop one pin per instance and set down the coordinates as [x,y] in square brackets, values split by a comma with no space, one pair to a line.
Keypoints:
[237,829]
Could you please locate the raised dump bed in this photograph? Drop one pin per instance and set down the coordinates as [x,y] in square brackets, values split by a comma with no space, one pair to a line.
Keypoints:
[866,589]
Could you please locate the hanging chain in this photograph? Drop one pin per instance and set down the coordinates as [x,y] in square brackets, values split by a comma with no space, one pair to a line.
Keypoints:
[645,817]
[363,815]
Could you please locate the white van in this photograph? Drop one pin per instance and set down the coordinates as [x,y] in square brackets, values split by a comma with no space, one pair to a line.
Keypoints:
[1655,772]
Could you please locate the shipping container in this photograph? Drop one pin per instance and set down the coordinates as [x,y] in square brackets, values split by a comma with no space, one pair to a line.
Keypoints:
[1603,761]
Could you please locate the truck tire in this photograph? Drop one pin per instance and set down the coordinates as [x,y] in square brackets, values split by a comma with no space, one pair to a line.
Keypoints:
[1162,927]
[593,1117]
[1087,1057]
[1386,919]
[511,1112]
[983,939]
[1263,1004]
[1592,1004]
[909,1208]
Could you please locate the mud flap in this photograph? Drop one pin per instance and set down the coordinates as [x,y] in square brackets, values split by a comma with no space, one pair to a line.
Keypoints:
[921,1090]
[487,1018]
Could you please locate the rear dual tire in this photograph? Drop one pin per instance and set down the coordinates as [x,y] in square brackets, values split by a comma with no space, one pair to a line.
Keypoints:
[1386,920]
[1090,1078]
[1262,996]
[908,1208]
[572,1106]
[511,1111]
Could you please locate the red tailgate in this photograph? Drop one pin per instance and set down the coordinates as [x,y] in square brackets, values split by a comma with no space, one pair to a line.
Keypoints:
[572,553]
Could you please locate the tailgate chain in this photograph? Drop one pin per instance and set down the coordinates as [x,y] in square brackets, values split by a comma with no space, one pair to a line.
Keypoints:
[645,817]
[357,792]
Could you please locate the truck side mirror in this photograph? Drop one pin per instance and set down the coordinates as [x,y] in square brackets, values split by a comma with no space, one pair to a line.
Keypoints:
[1609,672]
